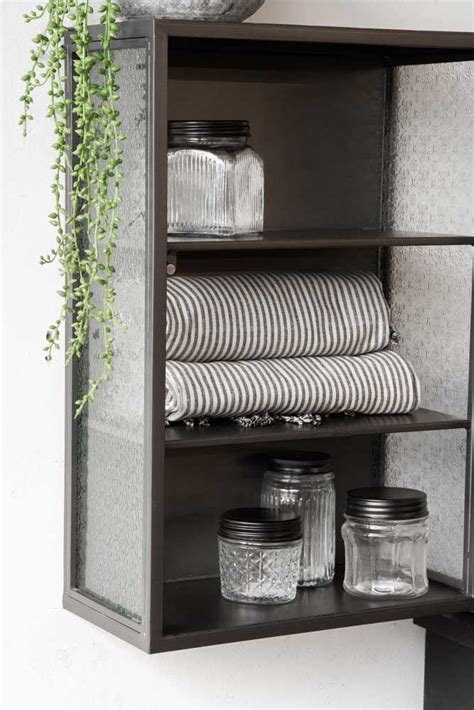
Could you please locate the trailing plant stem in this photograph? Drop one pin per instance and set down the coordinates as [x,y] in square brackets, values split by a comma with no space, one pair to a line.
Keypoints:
[87,237]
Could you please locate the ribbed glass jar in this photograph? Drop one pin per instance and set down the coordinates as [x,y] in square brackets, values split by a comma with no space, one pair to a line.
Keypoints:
[303,483]
[259,556]
[215,179]
[386,539]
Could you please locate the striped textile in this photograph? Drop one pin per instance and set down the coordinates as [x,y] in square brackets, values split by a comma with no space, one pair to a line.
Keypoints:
[376,383]
[249,316]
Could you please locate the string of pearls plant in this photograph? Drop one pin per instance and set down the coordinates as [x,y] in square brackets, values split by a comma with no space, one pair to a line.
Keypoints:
[87,236]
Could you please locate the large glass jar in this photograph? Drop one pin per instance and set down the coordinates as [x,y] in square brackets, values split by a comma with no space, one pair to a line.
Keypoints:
[215,179]
[259,556]
[303,483]
[386,538]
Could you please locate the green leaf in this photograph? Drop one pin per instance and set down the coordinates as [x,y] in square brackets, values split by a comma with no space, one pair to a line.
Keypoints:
[95,191]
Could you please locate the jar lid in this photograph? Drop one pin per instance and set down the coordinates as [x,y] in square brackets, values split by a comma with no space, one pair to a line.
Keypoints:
[379,503]
[302,463]
[260,525]
[190,130]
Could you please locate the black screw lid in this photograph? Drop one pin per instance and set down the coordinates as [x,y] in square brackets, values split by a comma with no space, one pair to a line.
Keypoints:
[260,525]
[386,503]
[302,463]
[190,130]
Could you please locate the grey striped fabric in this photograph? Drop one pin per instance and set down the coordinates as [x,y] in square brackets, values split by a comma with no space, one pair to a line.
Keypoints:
[249,316]
[375,383]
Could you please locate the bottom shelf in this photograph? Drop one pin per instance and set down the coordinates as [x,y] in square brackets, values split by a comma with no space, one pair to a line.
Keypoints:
[195,614]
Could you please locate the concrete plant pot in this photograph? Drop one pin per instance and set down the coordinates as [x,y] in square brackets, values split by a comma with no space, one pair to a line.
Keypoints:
[203,10]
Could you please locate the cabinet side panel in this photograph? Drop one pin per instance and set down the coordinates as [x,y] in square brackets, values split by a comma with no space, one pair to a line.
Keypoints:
[111,432]
[430,188]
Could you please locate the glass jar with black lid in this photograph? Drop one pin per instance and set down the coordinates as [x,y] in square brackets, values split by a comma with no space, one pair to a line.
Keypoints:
[386,538]
[259,555]
[215,179]
[303,483]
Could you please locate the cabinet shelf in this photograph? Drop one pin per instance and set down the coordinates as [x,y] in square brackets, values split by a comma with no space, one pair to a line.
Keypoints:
[178,436]
[315,239]
[195,614]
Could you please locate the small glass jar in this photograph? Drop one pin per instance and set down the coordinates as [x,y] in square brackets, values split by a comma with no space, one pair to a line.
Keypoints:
[303,483]
[259,556]
[386,539]
[215,179]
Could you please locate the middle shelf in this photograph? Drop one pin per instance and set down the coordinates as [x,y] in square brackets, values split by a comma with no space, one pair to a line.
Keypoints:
[178,436]
[304,239]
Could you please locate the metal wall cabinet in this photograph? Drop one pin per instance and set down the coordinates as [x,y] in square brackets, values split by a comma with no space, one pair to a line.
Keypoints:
[142,500]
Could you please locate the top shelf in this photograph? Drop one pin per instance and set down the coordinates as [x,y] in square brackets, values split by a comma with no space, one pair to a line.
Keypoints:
[316,239]
[387,47]
[316,34]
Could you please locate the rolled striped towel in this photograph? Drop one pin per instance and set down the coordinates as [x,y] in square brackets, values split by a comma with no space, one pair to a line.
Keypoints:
[375,383]
[250,316]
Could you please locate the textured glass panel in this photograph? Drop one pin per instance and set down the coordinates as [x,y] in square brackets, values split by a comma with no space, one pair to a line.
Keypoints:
[434,462]
[430,188]
[110,446]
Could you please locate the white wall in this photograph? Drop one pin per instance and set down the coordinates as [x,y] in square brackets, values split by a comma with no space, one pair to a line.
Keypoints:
[51,658]
[449,15]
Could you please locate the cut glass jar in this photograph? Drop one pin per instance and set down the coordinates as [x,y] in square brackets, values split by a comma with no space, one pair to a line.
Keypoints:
[259,555]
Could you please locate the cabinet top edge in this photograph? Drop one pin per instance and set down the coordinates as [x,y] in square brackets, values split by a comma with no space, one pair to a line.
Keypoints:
[403,39]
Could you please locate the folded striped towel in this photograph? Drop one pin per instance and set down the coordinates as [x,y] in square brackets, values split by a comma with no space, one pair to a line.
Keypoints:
[375,383]
[250,316]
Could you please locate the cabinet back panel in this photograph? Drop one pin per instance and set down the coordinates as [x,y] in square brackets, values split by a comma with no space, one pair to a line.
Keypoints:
[201,484]
[338,260]
[321,142]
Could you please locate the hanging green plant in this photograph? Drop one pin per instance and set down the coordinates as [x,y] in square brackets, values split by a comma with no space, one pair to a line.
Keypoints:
[87,236]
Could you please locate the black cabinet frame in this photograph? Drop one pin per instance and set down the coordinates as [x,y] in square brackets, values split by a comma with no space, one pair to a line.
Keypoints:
[183,614]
